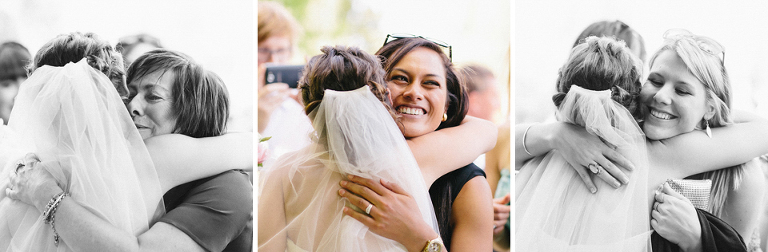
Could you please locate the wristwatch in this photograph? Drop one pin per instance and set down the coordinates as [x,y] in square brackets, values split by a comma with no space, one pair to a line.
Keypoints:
[434,245]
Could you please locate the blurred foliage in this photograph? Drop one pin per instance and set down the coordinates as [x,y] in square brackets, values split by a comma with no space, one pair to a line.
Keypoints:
[332,22]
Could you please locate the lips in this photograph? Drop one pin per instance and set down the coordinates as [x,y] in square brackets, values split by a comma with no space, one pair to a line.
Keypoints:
[408,110]
[139,126]
[661,114]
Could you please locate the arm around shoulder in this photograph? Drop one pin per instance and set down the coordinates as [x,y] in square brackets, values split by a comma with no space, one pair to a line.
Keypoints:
[448,149]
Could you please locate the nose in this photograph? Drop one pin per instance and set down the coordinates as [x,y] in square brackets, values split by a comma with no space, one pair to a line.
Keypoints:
[413,92]
[664,94]
[135,107]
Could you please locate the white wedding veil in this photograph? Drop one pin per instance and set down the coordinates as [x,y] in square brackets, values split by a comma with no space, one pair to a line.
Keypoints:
[74,120]
[554,210]
[299,205]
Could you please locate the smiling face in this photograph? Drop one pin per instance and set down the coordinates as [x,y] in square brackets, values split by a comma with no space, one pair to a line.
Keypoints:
[673,100]
[417,85]
[151,106]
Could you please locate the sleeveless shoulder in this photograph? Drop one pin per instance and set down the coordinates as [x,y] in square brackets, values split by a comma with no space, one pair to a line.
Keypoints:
[444,191]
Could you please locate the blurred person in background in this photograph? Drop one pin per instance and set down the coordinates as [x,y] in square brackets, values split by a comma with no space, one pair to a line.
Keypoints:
[618,30]
[281,117]
[14,58]
[481,91]
[134,46]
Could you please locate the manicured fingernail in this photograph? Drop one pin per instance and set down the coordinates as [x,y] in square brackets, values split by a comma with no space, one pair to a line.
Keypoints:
[343,183]
[593,190]
[349,176]
[341,192]
[624,179]
[617,184]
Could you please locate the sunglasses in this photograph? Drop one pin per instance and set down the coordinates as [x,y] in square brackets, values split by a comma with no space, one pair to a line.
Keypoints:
[396,36]
[705,44]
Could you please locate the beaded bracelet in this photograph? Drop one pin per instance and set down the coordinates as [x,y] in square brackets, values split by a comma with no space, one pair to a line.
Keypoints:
[524,135]
[49,215]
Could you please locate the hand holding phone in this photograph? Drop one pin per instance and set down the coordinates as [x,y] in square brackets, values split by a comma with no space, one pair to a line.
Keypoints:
[288,74]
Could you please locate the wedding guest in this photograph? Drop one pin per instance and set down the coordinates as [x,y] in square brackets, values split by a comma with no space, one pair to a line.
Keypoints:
[281,117]
[134,46]
[14,58]
[618,30]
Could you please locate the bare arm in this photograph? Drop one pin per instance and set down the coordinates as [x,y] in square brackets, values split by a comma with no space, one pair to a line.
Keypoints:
[740,210]
[271,217]
[445,150]
[84,231]
[473,217]
[692,153]
[179,159]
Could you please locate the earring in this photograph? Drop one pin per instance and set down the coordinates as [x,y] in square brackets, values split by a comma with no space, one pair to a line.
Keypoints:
[445,117]
[708,130]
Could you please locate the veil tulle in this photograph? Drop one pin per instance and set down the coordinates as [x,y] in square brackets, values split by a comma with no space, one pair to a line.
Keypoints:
[554,210]
[73,115]
[356,135]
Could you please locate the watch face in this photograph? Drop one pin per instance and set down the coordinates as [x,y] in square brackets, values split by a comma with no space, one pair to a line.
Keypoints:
[434,247]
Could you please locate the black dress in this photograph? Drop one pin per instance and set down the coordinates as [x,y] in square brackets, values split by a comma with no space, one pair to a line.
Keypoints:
[716,236]
[444,191]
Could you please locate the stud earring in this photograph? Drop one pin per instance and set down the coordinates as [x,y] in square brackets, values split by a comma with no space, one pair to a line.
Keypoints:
[445,117]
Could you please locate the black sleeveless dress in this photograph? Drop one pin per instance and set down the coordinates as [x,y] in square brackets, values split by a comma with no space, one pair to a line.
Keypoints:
[444,191]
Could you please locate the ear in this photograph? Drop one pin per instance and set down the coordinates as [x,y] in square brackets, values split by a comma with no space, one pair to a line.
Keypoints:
[711,110]
[389,96]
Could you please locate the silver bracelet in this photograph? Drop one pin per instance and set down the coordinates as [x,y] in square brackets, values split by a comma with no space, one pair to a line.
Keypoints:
[524,135]
[49,215]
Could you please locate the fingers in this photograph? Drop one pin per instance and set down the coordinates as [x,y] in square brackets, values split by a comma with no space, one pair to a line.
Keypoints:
[393,187]
[619,159]
[498,226]
[374,186]
[606,176]
[31,157]
[584,175]
[671,192]
[355,200]
[362,218]
[501,209]
[613,170]
[502,200]
[11,194]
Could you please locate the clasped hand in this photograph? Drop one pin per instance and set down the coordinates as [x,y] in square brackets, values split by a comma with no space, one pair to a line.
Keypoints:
[586,153]
[31,183]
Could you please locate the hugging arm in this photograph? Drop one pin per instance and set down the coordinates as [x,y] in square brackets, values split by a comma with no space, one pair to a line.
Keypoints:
[694,152]
[179,159]
[445,150]
[578,147]
[271,217]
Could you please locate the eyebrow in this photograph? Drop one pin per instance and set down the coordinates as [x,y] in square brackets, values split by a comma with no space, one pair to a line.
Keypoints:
[408,73]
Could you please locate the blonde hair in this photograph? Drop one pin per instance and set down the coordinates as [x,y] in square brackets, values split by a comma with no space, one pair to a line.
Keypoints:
[275,20]
[701,56]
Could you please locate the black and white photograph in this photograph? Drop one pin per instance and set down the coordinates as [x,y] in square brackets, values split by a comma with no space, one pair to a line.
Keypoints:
[127,125]
[640,126]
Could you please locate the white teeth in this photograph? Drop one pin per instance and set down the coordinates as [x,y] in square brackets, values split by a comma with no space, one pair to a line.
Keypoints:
[660,115]
[411,111]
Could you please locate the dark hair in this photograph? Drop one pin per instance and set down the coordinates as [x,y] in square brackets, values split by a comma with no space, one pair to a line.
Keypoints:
[602,64]
[200,99]
[616,29]
[75,46]
[395,50]
[14,59]
[342,69]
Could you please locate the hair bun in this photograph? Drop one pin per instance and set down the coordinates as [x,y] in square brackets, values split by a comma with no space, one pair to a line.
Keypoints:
[558,98]
[624,98]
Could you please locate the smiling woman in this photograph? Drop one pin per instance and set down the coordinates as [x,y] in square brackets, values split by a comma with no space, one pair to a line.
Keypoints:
[150,105]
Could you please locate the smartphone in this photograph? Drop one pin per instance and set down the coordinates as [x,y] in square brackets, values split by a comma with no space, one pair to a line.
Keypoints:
[288,74]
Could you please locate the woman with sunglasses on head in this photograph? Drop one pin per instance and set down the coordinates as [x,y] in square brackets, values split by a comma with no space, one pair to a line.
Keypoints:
[687,89]
[297,209]
[428,95]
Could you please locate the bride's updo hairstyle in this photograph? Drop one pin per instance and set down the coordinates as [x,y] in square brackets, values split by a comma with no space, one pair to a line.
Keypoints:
[75,46]
[341,68]
[602,64]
